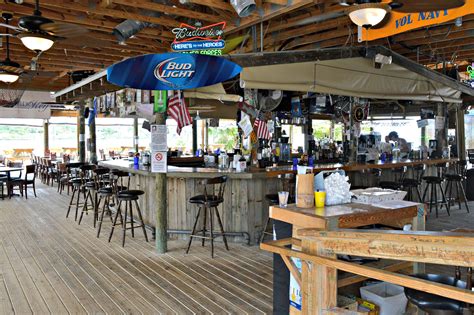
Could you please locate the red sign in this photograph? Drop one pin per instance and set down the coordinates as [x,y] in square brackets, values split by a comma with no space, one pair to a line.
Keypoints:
[158,156]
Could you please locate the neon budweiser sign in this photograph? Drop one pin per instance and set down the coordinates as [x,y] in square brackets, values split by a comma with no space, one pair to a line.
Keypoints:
[188,37]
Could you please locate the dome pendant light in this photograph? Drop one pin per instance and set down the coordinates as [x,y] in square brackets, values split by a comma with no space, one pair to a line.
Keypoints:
[6,75]
[368,14]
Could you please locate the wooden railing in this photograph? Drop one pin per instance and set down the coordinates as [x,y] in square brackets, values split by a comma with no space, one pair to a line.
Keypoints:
[318,278]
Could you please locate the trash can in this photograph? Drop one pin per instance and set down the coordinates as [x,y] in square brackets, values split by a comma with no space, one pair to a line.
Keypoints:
[389,297]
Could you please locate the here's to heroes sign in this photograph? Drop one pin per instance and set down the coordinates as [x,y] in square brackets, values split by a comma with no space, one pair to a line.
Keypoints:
[197,38]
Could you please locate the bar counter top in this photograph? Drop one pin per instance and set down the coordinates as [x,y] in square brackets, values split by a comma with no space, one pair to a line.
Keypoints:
[185,172]
[252,173]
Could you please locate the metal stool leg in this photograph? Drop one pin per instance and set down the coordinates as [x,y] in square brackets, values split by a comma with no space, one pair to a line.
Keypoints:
[70,202]
[444,199]
[194,230]
[124,223]
[212,231]
[141,220]
[222,228]
[115,220]
[204,225]
[463,192]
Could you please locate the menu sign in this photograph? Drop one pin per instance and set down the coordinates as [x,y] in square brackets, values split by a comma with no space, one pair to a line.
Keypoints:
[199,39]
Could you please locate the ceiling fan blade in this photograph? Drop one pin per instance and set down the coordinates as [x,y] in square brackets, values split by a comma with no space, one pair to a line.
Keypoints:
[12,69]
[17,29]
[385,21]
[410,6]
[64,29]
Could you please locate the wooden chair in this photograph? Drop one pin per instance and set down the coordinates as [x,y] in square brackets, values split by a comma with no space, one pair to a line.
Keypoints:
[29,179]
[208,204]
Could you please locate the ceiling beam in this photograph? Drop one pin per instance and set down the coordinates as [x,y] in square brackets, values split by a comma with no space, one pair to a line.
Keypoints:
[168,9]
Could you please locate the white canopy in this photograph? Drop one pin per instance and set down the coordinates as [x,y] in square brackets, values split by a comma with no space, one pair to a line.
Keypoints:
[350,77]
[212,92]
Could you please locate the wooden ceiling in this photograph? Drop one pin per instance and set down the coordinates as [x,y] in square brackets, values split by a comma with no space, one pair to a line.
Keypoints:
[278,20]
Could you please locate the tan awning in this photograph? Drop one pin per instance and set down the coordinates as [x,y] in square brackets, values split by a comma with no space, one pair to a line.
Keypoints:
[350,77]
[213,92]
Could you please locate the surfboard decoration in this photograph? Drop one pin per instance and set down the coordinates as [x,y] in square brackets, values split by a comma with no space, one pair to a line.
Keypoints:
[171,71]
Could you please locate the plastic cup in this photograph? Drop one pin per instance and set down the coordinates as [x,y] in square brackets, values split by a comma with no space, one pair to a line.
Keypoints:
[283,198]
[320,198]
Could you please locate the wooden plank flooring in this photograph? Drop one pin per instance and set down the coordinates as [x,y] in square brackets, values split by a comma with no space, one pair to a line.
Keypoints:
[50,264]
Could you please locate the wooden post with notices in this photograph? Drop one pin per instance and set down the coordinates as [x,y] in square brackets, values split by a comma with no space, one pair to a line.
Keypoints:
[92,134]
[81,133]
[161,208]
[46,135]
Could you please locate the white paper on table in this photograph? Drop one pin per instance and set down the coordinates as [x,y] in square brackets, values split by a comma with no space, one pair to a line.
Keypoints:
[395,204]
[245,124]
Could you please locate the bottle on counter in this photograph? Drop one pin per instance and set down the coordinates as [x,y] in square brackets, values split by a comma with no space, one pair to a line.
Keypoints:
[241,164]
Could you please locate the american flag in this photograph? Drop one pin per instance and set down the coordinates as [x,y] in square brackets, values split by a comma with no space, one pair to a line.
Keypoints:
[179,112]
[262,128]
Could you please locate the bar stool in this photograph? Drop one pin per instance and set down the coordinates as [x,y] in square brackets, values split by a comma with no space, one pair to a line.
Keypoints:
[89,188]
[128,196]
[209,202]
[432,182]
[411,184]
[77,190]
[288,182]
[396,184]
[105,195]
[457,180]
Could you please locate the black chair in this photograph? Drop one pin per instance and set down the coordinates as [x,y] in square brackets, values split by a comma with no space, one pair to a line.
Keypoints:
[3,181]
[412,184]
[435,304]
[14,179]
[396,183]
[432,185]
[30,177]
[105,195]
[129,197]
[456,179]
[208,203]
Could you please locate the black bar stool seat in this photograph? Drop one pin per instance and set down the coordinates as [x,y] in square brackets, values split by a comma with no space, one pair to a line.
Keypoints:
[435,304]
[129,197]
[105,190]
[210,201]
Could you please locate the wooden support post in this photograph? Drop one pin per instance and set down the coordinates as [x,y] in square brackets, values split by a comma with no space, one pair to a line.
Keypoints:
[161,207]
[441,134]
[92,135]
[135,134]
[195,137]
[460,133]
[81,129]
[319,289]
[46,135]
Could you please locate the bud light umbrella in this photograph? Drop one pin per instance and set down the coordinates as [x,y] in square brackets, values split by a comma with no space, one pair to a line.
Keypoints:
[171,71]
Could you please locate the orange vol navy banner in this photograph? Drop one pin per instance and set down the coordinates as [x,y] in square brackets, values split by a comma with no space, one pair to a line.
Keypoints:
[402,22]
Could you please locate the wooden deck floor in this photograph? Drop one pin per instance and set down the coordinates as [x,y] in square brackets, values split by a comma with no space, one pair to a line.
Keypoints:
[50,264]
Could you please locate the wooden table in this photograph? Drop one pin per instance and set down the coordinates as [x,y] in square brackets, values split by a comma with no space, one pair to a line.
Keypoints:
[349,216]
[8,170]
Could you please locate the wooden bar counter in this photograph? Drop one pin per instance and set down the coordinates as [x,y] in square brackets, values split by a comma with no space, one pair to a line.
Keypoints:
[244,209]
[393,214]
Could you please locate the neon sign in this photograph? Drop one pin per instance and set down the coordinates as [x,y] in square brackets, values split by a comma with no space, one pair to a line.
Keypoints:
[198,38]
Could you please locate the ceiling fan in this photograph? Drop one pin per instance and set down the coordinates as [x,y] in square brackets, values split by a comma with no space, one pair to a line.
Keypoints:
[39,33]
[11,71]
[376,13]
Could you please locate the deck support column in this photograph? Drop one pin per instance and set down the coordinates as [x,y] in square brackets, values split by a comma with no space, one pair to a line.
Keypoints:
[161,207]
[460,133]
[135,134]
[92,135]
[81,133]
[46,135]
[442,134]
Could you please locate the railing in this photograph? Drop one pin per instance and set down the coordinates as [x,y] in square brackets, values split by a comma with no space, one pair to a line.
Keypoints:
[318,278]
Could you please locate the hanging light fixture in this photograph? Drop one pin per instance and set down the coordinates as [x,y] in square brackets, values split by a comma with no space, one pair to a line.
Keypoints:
[7,66]
[36,41]
[368,14]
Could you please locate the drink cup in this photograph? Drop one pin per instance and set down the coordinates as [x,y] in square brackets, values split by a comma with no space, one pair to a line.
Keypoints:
[283,198]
